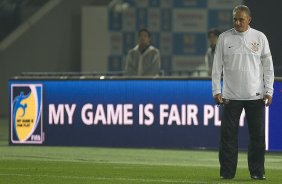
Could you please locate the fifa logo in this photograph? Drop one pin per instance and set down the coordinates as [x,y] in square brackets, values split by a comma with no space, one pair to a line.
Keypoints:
[26,114]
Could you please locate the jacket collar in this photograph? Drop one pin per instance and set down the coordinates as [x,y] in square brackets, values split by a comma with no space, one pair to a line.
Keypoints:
[242,33]
[136,48]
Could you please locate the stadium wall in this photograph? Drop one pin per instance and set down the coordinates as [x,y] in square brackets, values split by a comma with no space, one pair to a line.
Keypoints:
[52,44]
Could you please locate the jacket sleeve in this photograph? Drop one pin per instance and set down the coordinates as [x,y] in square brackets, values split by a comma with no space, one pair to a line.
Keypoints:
[267,64]
[129,69]
[156,64]
[217,67]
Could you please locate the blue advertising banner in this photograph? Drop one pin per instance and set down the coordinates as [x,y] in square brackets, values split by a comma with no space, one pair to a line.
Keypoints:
[190,4]
[158,113]
[189,44]
[275,117]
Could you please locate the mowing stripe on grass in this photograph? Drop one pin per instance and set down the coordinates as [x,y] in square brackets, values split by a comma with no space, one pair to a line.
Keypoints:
[107,178]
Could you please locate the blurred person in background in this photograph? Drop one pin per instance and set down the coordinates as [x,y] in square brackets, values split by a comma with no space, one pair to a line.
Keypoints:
[244,55]
[213,35]
[143,59]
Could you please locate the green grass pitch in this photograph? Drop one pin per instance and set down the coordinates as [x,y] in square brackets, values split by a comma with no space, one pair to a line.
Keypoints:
[57,165]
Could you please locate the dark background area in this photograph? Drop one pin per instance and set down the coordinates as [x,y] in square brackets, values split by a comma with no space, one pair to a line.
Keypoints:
[266,17]
[59,31]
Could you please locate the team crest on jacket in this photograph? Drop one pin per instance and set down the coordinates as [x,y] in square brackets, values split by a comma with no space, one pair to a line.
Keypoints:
[255,46]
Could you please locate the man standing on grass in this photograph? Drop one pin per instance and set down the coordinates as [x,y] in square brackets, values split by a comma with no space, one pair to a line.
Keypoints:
[243,54]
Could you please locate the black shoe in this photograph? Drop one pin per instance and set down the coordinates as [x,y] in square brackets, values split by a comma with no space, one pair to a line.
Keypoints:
[258,177]
[226,177]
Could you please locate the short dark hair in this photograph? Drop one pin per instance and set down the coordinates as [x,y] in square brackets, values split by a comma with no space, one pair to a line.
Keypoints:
[144,30]
[214,31]
[243,8]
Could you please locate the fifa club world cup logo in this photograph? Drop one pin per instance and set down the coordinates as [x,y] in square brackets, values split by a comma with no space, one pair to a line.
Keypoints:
[26,114]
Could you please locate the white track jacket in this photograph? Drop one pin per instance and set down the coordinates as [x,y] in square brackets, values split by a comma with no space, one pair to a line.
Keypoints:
[246,61]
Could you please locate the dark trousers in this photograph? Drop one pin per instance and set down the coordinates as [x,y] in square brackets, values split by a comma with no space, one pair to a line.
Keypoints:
[228,148]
